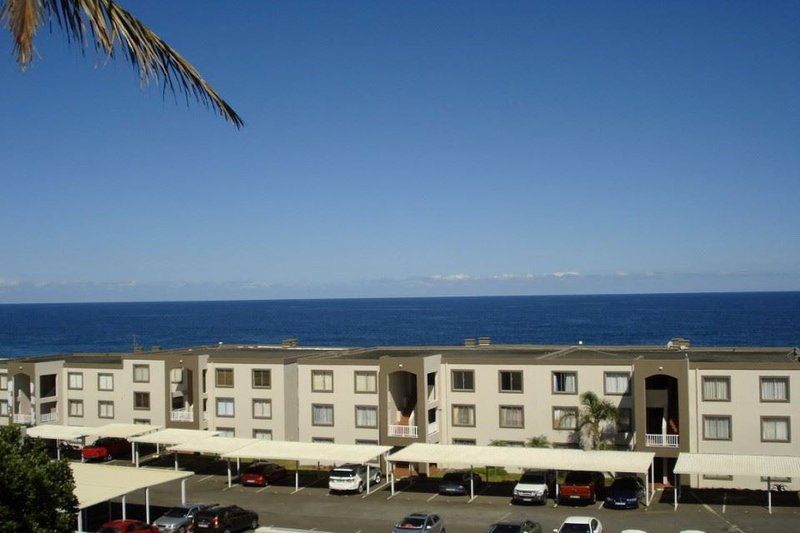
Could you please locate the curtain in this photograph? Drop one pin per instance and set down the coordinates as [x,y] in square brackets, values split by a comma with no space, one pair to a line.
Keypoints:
[323,415]
[565,418]
[565,382]
[365,382]
[717,428]
[777,430]
[773,389]
[366,417]
[511,417]
[464,415]
[616,383]
[224,407]
[322,381]
[262,408]
[715,389]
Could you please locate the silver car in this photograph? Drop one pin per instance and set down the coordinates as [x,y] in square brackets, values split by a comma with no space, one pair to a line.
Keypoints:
[420,522]
[177,519]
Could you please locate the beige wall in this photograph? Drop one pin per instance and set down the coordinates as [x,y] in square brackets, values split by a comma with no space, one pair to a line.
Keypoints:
[5,395]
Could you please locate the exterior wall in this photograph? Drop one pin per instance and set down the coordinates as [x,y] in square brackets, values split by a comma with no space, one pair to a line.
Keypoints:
[159,399]
[121,396]
[5,395]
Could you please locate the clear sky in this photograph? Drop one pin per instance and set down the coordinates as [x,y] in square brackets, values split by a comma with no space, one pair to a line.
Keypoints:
[411,148]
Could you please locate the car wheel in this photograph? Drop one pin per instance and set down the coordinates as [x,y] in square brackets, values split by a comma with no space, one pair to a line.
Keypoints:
[109,457]
[594,499]
[181,530]
[254,524]
[360,488]
[378,478]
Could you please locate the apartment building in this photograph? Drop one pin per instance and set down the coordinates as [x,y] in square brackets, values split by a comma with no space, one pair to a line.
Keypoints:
[671,399]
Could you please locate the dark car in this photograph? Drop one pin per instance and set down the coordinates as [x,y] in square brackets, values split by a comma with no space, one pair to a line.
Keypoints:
[581,486]
[625,493]
[458,482]
[106,448]
[127,526]
[220,519]
[516,526]
[260,474]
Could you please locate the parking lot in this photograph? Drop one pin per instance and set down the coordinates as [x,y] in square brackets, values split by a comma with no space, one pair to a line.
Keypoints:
[314,508]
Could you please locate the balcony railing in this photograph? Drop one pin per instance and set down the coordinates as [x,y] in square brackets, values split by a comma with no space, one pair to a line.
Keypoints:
[181,415]
[409,432]
[661,441]
[20,418]
[48,417]
[433,427]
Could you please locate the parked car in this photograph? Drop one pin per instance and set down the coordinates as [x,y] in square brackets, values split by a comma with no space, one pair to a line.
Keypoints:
[420,522]
[581,486]
[260,474]
[352,477]
[534,486]
[459,482]
[517,526]
[625,493]
[220,519]
[127,526]
[179,518]
[580,524]
[106,448]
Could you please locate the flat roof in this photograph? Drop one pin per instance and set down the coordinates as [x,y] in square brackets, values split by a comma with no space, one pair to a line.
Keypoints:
[174,436]
[122,431]
[517,457]
[212,445]
[309,451]
[99,483]
[58,432]
[738,465]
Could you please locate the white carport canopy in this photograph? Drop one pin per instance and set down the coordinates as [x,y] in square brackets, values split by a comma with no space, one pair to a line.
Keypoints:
[518,457]
[212,446]
[58,433]
[712,464]
[170,436]
[315,452]
[121,431]
[99,483]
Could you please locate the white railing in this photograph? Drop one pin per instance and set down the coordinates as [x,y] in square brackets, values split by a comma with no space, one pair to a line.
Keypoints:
[409,432]
[433,427]
[661,441]
[181,415]
[22,419]
[48,417]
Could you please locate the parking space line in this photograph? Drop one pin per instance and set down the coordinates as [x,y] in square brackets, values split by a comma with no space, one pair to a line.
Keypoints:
[204,479]
[398,491]
[432,497]
[731,526]
[262,489]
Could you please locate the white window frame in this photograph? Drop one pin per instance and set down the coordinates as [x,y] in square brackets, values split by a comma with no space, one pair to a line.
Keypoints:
[103,379]
[225,402]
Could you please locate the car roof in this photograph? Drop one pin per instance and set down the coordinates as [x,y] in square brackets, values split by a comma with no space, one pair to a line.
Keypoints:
[419,515]
[579,519]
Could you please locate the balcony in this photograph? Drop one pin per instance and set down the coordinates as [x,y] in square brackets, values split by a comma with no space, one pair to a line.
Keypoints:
[661,441]
[19,418]
[181,415]
[50,417]
[408,432]
[433,427]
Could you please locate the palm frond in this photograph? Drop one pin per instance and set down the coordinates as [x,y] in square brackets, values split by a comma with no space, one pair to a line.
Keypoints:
[22,17]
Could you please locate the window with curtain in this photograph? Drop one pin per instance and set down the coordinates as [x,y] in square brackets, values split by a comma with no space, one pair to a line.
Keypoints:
[774,389]
[262,408]
[463,381]
[565,418]
[617,382]
[775,429]
[176,375]
[105,409]
[262,378]
[565,382]
[3,381]
[463,415]
[262,434]
[105,381]
[321,415]
[464,442]
[224,406]
[510,381]
[75,380]
[75,407]
[716,388]
[141,373]
[717,427]
[512,416]
[3,407]
[322,381]
[366,416]
[223,377]
[366,382]
[226,432]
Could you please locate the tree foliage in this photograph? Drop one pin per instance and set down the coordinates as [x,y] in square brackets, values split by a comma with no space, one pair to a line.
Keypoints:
[595,413]
[36,493]
[539,441]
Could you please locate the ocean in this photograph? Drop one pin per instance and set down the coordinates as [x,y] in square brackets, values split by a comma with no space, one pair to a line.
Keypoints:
[711,319]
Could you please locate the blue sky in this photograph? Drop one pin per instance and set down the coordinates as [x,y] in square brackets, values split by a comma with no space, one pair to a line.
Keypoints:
[411,148]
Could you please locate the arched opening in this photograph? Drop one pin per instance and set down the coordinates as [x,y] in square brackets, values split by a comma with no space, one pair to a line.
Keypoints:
[661,403]
[402,404]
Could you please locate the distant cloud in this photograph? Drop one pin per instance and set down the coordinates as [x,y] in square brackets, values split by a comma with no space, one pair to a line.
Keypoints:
[9,282]
[453,277]
[561,275]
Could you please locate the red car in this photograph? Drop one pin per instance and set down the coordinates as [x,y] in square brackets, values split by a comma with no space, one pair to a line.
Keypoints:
[581,486]
[126,526]
[106,448]
[259,474]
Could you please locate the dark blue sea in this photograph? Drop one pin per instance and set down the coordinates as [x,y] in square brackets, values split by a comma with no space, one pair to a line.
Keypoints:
[740,319]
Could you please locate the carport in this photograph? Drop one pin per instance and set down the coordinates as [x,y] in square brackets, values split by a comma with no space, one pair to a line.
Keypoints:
[99,483]
[310,451]
[123,431]
[58,433]
[218,446]
[711,464]
[534,458]
[170,437]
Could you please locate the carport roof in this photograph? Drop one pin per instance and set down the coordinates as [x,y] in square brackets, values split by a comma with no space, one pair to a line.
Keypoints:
[738,465]
[122,431]
[515,457]
[58,432]
[174,436]
[99,483]
[212,445]
[310,451]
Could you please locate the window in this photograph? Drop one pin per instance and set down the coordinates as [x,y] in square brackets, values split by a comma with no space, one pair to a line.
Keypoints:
[717,427]
[224,406]
[366,382]
[176,375]
[711,477]
[224,377]
[430,381]
[774,389]
[321,415]
[366,416]
[262,379]
[75,408]
[141,400]
[141,421]
[262,434]
[565,382]
[3,407]
[463,381]
[716,388]
[367,442]
[617,383]
[322,381]
[75,380]
[625,421]
[203,380]
[512,416]
[322,440]
[141,373]
[776,479]
[464,415]
[262,408]
[465,442]
[775,429]
[510,381]
[565,418]
[3,381]
[105,381]
[226,432]
[105,409]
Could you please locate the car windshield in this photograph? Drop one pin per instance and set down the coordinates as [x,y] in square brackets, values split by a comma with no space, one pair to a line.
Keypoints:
[343,472]
[532,479]
[411,522]
[575,528]
[177,512]
[625,484]
[578,478]
[504,528]
[453,476]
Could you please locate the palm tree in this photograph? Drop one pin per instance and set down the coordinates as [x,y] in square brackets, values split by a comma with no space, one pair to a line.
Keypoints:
[593,416]
[539,441]
[108,25]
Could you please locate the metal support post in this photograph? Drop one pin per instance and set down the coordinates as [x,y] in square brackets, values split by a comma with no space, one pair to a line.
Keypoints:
[124,506]
[147,504]
[176,461]
[296,476]
[471,483]
[133,452]
[368,479]
[230,481]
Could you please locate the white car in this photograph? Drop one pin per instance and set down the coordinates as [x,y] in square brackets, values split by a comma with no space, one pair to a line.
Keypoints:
[580,524]
[352,477]
[533,487]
